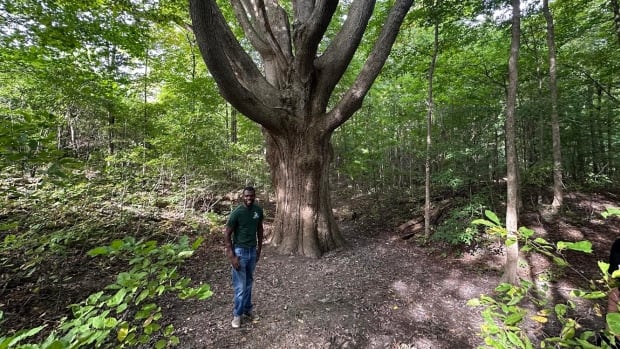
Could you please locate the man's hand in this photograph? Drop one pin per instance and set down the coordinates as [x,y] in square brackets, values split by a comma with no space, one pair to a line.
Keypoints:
[234,261]
[258,254]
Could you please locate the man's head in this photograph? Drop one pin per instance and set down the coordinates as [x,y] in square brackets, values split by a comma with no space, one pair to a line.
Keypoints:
[249,195]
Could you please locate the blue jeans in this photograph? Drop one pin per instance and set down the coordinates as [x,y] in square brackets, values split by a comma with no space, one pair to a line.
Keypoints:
[243,279]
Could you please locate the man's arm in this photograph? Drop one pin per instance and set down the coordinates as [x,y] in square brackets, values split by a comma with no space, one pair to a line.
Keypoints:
[259,237]
[230,253]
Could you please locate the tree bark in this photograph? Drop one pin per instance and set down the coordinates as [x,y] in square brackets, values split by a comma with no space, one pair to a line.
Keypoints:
[558,185]
[429,122]
[299,168]
[512,246]
[289,95]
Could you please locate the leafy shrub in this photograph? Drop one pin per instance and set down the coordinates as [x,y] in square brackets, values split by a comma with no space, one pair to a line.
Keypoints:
[598,180]
[125,313]
[456,229]
[503,314]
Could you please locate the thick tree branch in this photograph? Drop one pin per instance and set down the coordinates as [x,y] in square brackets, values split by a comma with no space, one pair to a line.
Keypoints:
[311,22]
[266,25]
[247,20]
[352,100]
[239,80]
[333,63]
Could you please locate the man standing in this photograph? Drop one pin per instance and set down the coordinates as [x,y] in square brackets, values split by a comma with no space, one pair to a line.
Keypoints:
[243,241]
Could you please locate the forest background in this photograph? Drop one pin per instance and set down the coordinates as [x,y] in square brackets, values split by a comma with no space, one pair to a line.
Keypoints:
[109,116]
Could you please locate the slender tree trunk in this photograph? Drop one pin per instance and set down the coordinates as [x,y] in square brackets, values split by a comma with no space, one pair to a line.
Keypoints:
[111,122]
[429,122]
[233,125]
[600,147]
[299,165]
[592,128]
[145,115]
[610,150]
[558,191]
[512,246]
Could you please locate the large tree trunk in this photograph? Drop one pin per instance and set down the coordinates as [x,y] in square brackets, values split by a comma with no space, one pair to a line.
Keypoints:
[299,166]
[512,246]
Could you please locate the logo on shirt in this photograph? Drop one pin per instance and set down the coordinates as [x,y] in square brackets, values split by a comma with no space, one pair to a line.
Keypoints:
[255,215]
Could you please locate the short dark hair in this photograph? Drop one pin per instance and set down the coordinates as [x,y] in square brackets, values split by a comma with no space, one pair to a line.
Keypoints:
[249,188]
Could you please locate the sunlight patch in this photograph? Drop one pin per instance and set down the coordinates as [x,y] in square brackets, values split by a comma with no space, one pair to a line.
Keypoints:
[401,287]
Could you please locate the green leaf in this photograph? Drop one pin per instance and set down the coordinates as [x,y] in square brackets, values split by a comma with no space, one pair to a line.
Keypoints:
[581,246]
[161,344]
[503,287]
[611,211]
[117,298]
[97,251]
[595,295]
[197,243]
[121,308]
[613,323]
[142,296]
[204,292]
[604,267]
[20,335]
[99,322]
[185,254]
[57,344]
[541,241]
[110,322]
[585,344]
[513,319]
[510,241]
[117,244]
[560,310]
[526,232]
[483,222]
[492,216]
[560,261]
[474,302]
[515,340]
[168,331]
[122,333]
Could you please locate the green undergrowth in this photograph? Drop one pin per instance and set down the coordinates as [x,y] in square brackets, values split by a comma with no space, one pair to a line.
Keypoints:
[456,229]
[103,255]
[505,312]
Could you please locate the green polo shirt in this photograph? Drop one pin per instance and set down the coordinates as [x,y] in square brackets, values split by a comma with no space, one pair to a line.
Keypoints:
[244,222]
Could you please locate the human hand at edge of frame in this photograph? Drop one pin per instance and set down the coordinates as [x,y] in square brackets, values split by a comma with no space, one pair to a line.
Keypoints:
[234,261]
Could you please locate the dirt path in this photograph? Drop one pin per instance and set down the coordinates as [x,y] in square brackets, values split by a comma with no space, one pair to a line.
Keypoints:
[379,292]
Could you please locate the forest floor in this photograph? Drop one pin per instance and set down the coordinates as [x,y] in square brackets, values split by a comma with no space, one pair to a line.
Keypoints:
[380,291]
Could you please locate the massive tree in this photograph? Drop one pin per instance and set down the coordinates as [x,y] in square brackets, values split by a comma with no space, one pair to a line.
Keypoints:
[288,93]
